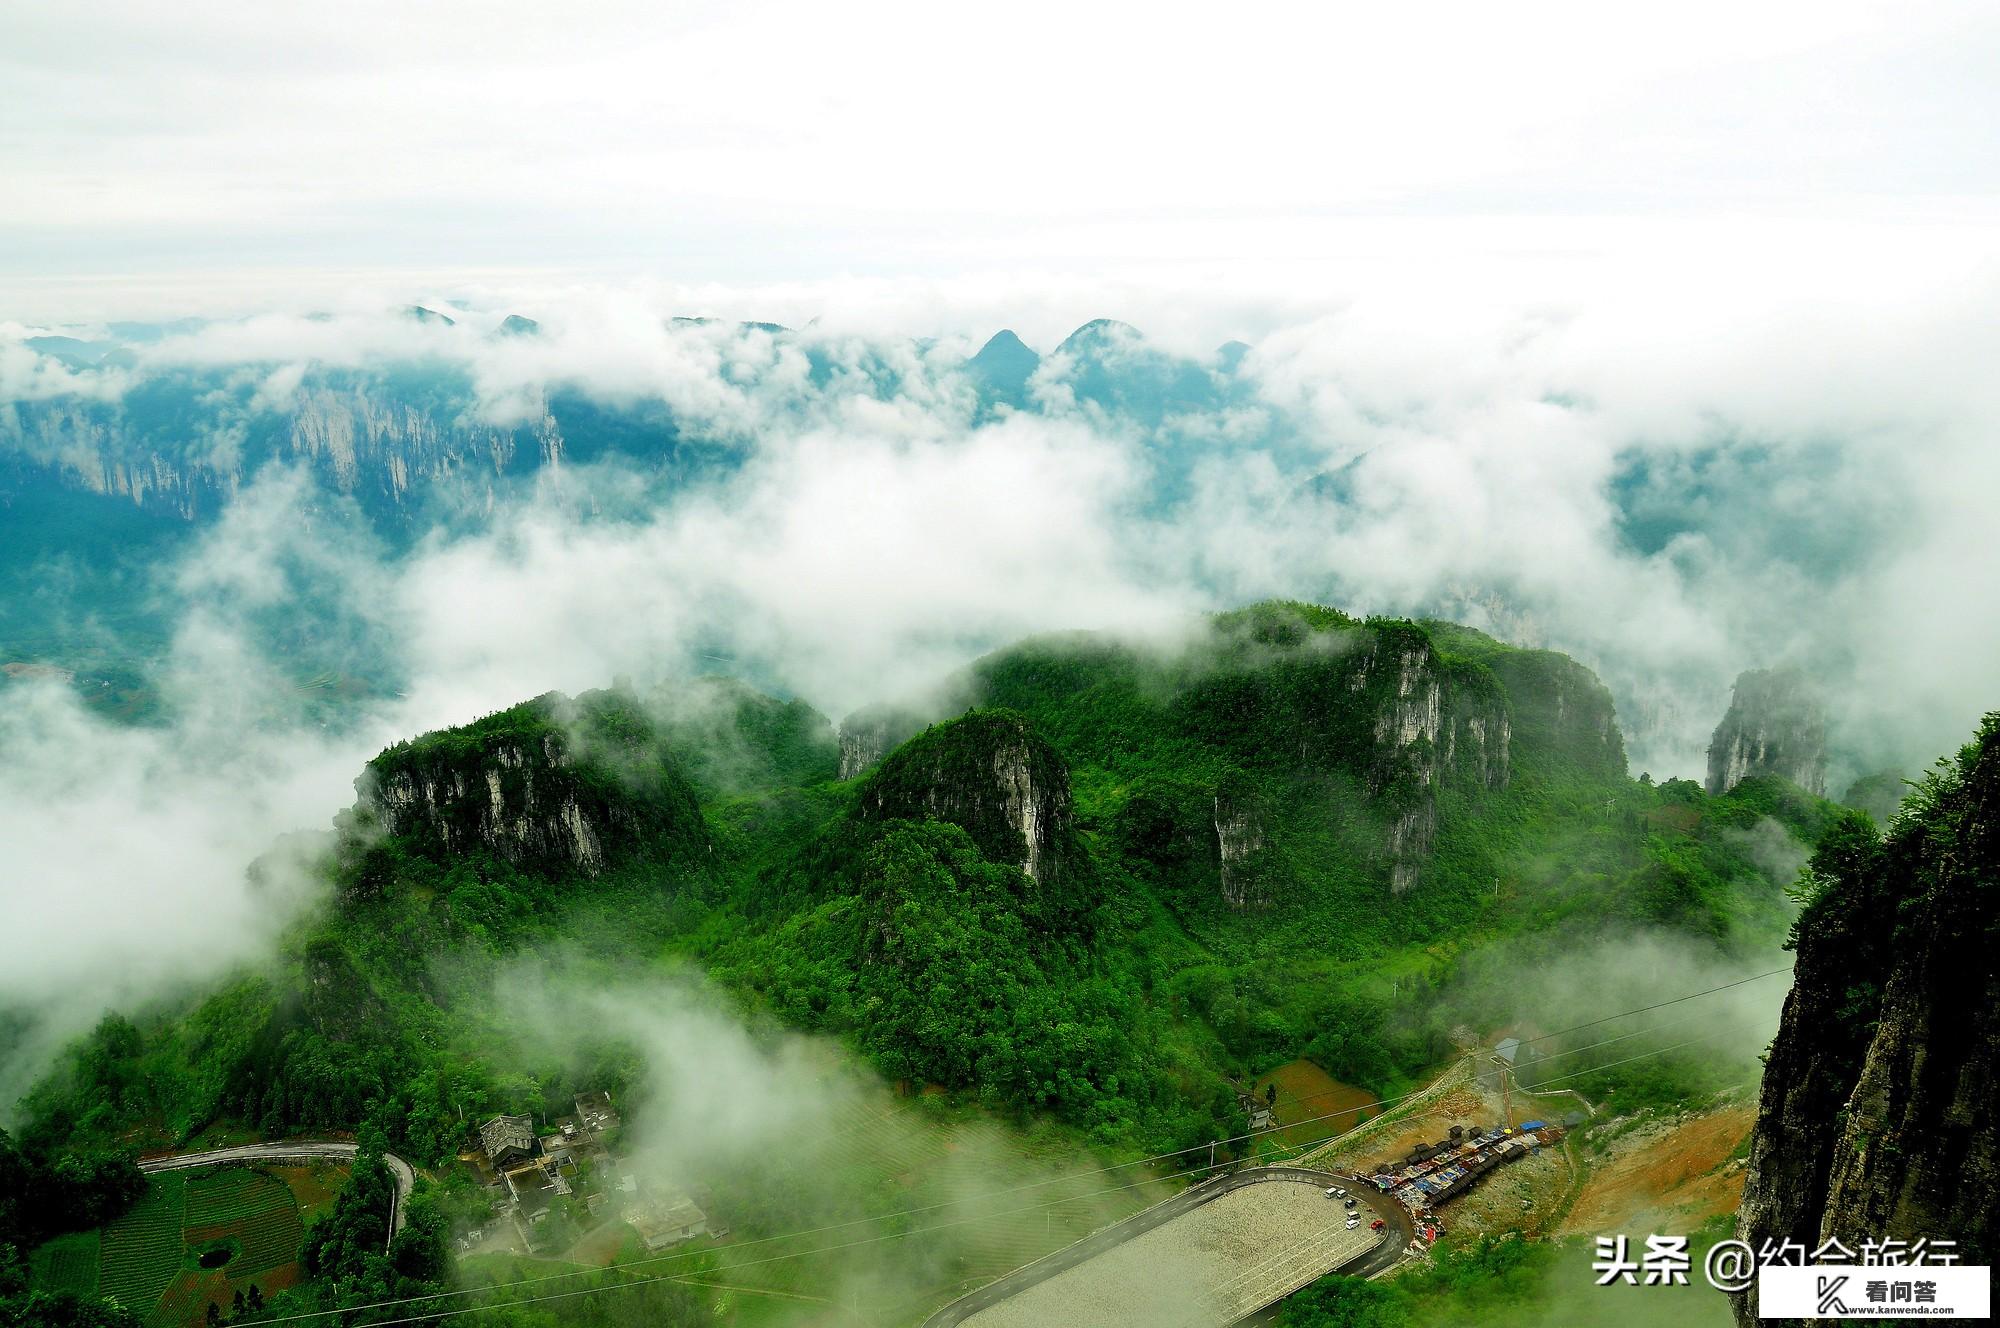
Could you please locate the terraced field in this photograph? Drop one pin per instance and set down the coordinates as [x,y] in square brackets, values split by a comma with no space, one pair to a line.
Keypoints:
[68,1263]
[148,1259]
[255,1208]
[143,1250]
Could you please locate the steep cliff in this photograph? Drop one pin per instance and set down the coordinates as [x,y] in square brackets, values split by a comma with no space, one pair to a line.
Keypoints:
[993,776]
[1241,815]
[1775,725]
[868,735]
[552,784]
[1298,737]
[184,442]
[1880,1110]
[1431,724]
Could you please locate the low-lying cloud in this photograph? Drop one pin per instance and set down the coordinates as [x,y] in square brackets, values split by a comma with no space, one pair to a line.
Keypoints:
[1670,497]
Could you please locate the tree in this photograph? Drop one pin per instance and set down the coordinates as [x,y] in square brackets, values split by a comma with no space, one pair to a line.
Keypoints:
[1271,1095]
[214,1314]
[63,1310]
[236,1305]
[255,1300]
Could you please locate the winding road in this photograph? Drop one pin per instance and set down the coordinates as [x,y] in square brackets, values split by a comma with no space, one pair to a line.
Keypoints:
[298,1150]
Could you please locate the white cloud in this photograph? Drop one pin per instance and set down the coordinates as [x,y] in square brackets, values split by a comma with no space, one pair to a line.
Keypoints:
[784,141]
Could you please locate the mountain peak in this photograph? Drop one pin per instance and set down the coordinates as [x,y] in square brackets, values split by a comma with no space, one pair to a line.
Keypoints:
[1097,333]
[1003,367]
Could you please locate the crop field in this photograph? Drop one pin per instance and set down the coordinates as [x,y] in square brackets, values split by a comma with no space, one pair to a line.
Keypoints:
[314,1186]
[250,1206]
[1305,1094]
[143,1250]
[148,1260]
[68,1263]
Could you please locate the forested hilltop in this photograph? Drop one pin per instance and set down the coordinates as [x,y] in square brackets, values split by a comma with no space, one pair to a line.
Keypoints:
[1086,880]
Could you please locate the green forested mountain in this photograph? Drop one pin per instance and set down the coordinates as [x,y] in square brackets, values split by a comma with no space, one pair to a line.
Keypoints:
[1086,879]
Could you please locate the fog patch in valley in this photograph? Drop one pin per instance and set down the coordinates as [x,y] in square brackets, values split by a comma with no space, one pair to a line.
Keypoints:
[876,537]
[780,1133]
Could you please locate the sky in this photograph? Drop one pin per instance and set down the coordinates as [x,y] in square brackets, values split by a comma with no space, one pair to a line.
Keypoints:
[211,157]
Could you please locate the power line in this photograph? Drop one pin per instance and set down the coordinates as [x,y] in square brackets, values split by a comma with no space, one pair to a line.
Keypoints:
[1328,1092]
[1755,977]
[1179,1174]
[434,1316]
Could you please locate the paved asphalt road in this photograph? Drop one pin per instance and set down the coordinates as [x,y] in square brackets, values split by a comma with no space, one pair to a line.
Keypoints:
[301,1150]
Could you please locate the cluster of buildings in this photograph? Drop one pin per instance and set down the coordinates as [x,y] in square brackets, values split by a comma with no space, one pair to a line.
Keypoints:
[1430,1174]
[531,1172]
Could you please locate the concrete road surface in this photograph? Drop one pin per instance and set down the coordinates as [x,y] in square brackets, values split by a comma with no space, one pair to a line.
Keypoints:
[1206,1257]
[298,1150]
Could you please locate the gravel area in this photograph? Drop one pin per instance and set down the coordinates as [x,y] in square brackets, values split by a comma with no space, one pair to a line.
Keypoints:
[1207,1267]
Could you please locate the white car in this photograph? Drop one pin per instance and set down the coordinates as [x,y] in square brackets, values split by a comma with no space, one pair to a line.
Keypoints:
[1333,1192]
[1353,1222]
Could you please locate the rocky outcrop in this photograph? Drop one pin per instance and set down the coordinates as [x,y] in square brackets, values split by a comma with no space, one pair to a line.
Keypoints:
[549,784]
[1563,718]
[1429,726]
[1880,1111]
[992,775]
[1240,817]
[1775,725]
[513,800]
[866,736]
[185,443]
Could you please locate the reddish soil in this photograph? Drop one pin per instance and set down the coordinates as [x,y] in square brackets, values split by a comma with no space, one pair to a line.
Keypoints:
[1682,1173]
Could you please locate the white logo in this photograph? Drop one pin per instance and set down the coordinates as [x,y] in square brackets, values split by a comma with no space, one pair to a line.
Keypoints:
[1881,1291]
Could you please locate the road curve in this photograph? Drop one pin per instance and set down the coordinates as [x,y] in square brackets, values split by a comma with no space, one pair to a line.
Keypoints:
[299,1150]
[1390,1247]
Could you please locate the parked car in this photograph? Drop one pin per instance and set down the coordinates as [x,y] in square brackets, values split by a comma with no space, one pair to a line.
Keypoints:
[1353,1222]
[1333,1191]
[1376,1225]
[1350,1203]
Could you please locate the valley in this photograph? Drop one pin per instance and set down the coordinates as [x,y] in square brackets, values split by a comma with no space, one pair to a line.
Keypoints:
[1016,952]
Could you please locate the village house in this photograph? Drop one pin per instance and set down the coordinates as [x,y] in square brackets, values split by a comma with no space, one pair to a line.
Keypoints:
[509,1141]
[530,1170]
[667,1217]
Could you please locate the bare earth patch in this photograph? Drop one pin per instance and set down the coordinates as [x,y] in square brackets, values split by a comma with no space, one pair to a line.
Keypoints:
[1674,1174]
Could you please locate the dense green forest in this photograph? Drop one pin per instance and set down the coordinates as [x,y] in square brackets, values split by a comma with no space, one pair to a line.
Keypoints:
[1087,880]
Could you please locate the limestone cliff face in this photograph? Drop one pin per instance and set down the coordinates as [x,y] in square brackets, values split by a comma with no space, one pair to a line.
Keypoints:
[990,774]
[1775,726]
[1562,712]
[84,445]
[362,438]
[183,447]
[1429,727]
[866,736]
[1880,1111]
[538,785]
[1240,818]
[513,800]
